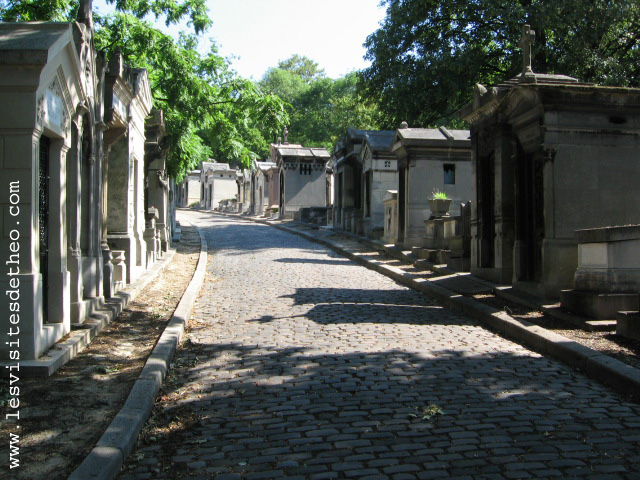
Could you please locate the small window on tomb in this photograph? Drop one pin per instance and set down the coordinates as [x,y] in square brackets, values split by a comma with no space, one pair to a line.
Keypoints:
[449,173]
[305,169]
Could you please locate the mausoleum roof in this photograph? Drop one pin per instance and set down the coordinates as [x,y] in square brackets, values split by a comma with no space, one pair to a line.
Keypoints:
[380,139]
[302,152]
[32,43]
[432,137]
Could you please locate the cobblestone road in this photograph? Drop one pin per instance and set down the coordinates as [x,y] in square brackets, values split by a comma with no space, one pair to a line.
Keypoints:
[303,365]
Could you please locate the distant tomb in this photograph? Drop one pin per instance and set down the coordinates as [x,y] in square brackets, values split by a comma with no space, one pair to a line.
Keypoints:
[302,177]
[429,159]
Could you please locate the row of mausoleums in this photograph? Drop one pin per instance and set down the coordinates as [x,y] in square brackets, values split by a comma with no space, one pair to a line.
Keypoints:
[84,190]
[293,179]
[534,189]
[541,190]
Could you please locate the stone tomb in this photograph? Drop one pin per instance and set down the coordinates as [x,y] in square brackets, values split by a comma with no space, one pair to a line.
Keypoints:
[129,102]
[50,165]
[390,200]
[157,191]
[243,183]
[219,183]
[607,279]
[262,190]
[347,168]
[188,190]
[428,160]
[550,156]
[379,173]
[302,177]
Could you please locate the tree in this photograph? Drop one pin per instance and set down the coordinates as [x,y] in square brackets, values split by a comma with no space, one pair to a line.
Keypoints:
[66,10]
[327,109]
[202,99]
[428,54]
[305,68]
[319,107]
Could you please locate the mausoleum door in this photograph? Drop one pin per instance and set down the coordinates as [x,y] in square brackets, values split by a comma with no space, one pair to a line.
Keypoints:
[486,210]
[43,219]
[402,207]
[368,183]
[281,194]
[529,216]
[86,179]
[339,194]
[357,186]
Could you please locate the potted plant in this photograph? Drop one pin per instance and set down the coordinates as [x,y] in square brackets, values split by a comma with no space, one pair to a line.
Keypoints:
[439,204]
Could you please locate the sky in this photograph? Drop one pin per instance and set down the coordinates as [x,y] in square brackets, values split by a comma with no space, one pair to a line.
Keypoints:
[257,34]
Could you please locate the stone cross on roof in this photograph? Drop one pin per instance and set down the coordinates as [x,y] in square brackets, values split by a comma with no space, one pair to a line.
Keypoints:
[528,37]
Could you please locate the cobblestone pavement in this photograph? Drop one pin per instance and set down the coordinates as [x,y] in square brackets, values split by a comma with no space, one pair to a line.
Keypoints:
[303,365]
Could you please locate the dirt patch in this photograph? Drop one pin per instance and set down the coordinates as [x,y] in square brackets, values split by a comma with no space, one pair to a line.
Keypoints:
[63,416]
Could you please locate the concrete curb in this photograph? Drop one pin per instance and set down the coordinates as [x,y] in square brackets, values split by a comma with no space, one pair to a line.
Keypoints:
[105,461]
[605,369]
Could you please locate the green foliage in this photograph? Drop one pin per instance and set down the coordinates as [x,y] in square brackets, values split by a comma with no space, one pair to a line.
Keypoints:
[208,110]
[438,195]
[305,68]
[195,10]
[66,10]
[428,54]
[320,108]
[36,10]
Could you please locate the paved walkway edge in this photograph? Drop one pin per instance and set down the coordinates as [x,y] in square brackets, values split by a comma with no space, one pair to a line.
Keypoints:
[78,339]
[609,371]
[105,461]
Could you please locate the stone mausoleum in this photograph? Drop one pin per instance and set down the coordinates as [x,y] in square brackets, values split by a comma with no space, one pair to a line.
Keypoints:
[551,155]
[302,177]
[50,164]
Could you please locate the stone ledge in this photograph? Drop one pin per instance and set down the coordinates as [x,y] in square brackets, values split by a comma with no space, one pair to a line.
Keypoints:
[599,305]
[608,234]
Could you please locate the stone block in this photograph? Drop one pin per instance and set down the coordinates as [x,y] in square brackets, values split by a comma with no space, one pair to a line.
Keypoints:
[628,324]
[600,306]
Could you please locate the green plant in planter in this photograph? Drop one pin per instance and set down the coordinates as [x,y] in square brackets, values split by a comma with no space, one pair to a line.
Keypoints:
[438,195]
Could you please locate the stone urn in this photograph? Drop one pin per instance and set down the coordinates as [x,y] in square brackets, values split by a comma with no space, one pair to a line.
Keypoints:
[439,207]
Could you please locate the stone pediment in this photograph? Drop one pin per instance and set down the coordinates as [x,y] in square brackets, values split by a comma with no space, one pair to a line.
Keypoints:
[41,58]
[142,89]
[487,101]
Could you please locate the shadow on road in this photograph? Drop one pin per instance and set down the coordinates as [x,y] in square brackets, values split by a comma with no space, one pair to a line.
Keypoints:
[292,411]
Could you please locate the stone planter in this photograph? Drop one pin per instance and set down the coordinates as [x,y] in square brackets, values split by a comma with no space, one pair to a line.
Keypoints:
[439,207]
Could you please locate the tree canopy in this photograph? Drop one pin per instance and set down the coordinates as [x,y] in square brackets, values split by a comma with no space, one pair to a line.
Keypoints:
[428,54]
[319,108]
[209,111]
